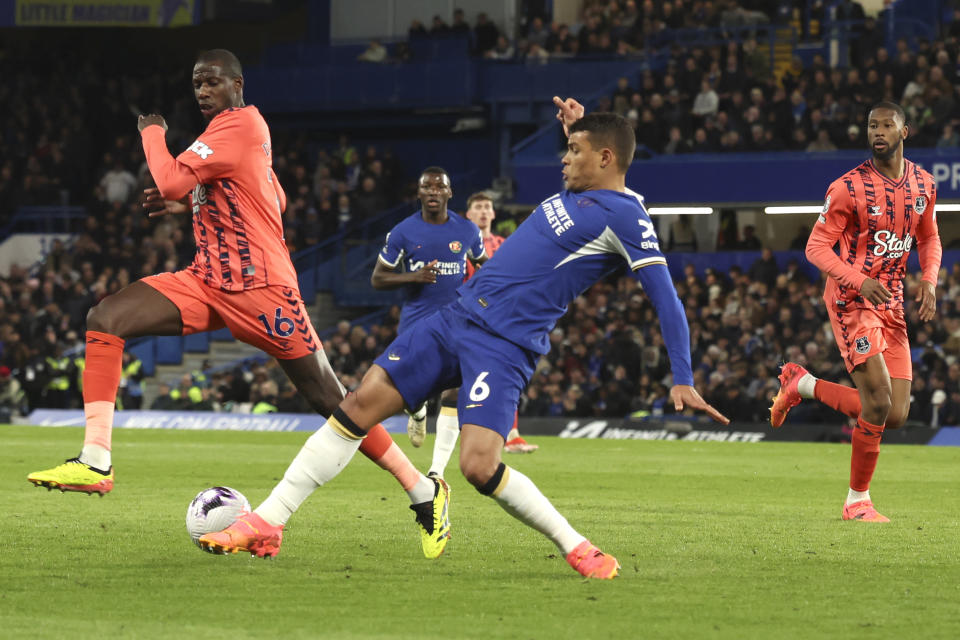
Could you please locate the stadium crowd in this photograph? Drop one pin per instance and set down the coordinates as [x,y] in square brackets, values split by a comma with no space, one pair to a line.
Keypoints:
[70,140]
[607,356]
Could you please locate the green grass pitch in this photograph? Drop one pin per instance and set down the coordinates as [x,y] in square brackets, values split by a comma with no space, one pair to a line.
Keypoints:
[717,540]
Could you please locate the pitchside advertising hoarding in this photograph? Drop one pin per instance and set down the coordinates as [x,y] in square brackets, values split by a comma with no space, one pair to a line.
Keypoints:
[685,430]
[98,13]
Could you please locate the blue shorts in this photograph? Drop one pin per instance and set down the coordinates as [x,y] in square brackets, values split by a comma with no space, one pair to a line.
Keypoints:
[448,350]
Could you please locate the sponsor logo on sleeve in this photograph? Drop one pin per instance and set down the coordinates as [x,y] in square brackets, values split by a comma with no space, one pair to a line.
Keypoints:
[826,205]
[201,150]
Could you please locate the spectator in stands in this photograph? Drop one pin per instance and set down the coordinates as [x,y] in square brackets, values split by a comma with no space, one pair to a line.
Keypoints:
[706,102]
[375,52]
[459,26]
[949,138]
[485,35]
[117,184]
[750,242]
[502,51]
[822,143]
[439,28]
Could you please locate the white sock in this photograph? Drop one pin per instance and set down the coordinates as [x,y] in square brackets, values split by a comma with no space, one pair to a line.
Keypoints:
[422,491]
[857,496]
[806,386]
[520,498]
[322,457]
[420,413]
[95,456]
[448,430]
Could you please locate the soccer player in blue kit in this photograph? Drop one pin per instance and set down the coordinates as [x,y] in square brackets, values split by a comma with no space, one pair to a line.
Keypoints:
[427,254]
[490,339]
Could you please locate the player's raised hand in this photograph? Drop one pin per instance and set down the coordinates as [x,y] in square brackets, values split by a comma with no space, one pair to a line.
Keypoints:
[568,112]
[874,292]
[427,274]
[686,396]
[927,297]
[155,205]
[145,121]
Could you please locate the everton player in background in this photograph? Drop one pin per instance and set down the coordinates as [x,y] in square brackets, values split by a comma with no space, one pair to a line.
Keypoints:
[877,212]
[488,341]
[241,278]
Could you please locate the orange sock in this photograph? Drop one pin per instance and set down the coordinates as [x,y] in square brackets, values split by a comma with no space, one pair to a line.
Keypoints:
[866,449]
[380,447]
[101,378]
[836,396]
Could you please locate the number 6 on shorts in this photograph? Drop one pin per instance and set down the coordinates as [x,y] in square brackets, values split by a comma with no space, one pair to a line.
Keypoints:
[480,390]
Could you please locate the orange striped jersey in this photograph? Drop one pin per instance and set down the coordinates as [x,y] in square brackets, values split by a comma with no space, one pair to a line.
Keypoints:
[237,200]
[876,222]
[490,245]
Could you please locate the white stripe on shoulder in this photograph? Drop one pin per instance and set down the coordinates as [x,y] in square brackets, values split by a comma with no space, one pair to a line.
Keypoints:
[636,195]
[606,242]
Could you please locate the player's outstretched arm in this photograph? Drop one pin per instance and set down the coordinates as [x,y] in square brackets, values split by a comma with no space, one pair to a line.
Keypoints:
[155,205]
[685,396]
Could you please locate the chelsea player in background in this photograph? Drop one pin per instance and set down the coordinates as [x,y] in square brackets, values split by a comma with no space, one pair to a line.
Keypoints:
[426,254]
[489,340]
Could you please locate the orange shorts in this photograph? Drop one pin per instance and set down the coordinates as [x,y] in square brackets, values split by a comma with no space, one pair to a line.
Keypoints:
[273,318]
[862,333]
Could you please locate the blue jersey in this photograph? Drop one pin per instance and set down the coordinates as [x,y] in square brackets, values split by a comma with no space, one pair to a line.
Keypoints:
[414,243]
[568,243]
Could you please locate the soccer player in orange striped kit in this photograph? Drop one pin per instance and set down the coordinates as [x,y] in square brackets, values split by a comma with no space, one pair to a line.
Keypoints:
[876,212]
[241,278]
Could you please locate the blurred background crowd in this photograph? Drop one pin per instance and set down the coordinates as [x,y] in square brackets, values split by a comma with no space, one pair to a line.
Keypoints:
[68,139]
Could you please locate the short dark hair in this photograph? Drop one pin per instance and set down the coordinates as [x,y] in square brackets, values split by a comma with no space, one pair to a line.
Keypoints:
[892,106]
[229,63]
[440,171]
[608,130]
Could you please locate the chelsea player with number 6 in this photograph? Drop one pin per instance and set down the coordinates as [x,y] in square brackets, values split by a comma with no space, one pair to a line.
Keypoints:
[488,341]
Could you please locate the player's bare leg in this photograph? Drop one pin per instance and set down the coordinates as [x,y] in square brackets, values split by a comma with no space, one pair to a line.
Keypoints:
[316,380]
[136,310]
[876,392]
[899,403]
[448,430]
[322,457]
[480,463]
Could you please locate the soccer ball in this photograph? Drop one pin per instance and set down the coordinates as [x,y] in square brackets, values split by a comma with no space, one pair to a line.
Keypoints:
[214,509]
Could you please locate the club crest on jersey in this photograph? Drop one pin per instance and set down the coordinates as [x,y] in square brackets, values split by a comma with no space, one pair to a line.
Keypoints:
[875,210]
[920,205]
[863,345]
[456,246]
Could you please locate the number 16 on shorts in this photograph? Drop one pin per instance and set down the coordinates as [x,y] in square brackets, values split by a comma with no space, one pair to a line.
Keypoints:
[280,326]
